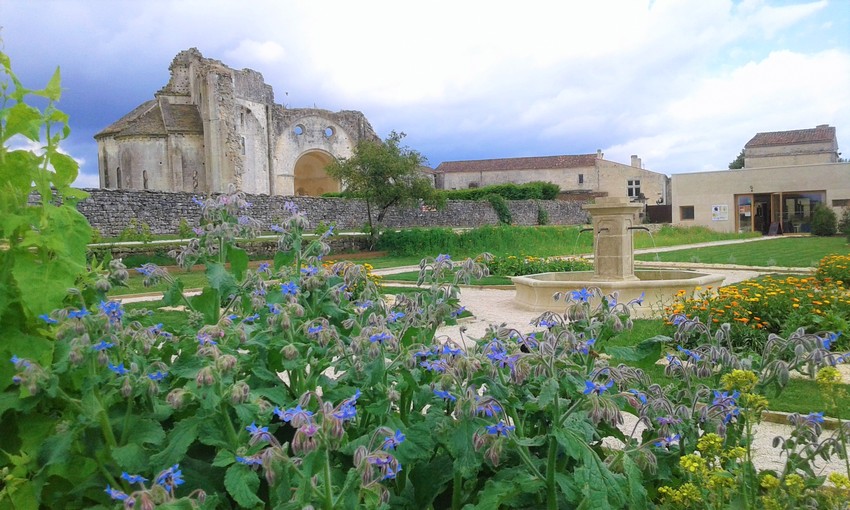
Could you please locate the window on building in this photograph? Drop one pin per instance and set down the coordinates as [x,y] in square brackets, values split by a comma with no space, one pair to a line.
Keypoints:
[633,188]
[686,212]
[581,178]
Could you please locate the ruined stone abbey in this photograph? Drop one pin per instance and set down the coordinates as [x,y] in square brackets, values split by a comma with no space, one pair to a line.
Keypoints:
[211,126]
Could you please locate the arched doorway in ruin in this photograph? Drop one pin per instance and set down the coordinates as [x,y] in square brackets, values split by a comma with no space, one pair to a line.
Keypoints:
[310,176]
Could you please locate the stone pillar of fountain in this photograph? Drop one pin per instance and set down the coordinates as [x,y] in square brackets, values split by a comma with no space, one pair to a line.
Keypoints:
[613,248]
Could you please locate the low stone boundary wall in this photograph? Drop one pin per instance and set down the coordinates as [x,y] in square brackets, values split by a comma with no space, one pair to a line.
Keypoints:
[110,211]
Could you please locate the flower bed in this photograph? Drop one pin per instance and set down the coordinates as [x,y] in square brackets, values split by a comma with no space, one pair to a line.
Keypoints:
[756,308]
[525,265]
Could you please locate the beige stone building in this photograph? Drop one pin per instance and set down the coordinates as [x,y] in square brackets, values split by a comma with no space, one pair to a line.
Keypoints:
[785,175]
[212,126]
[590,173]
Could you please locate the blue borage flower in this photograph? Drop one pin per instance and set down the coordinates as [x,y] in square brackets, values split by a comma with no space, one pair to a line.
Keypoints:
[380,338]
[727,404]
[314,330]
[250,461]
[434,365]
[116,494]
[391,442]
[289,289]
[157,376]
[544,323]
[814,418]
[102,346]
[666,421]
[489,408]
[582,295]
[347,409]
[46,318]
[146,269]
[251,319]
[112,309]
[394,316]
[118,369]
[499,429]
[592,388]
[20,362]
[205,339]
[290,207]
[329,232]
[264,267]
[445,395]
[78,314]
[295,416]
[198,231]
[640,395]
[390,466]
[274,308]
[829,340]
[363,304]
[584,347]
[276,228]
[133,478]
[443,257]
[310,270]
[689,353]
[498,355]
[666,442]
[197,201]
[459,311]
[170,478]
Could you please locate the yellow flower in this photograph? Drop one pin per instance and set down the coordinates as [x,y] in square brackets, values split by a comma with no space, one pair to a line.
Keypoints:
[769,481]
[710,444]
[828,375]
[742,380]
[839,480]
[795,484]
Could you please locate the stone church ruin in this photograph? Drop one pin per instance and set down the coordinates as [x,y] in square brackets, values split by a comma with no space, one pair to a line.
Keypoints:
[212,126]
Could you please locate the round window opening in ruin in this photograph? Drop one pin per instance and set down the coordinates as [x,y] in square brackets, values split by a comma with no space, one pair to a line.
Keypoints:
[329,132]
[298,130]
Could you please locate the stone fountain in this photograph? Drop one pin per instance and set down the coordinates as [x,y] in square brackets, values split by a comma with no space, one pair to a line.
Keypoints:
[613,221]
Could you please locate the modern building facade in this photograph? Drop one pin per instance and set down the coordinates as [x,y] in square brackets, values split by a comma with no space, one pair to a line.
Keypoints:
[786,174]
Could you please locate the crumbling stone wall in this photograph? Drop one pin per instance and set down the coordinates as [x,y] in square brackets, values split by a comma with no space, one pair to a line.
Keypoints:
[110,211]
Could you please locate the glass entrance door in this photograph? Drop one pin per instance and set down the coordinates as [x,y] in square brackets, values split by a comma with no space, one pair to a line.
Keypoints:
[745,213]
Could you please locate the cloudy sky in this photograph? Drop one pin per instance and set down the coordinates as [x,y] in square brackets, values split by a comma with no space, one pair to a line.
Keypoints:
[684,84]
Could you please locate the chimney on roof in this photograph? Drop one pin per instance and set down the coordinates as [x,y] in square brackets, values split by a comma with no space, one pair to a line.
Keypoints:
[636,161]
[823,125]
[599,154]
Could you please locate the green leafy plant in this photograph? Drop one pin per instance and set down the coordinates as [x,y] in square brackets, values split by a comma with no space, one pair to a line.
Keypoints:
[824,221]
[501,207]
[183,229]
[542,215]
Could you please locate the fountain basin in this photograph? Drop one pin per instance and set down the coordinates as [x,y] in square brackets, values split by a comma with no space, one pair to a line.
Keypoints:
[535,291]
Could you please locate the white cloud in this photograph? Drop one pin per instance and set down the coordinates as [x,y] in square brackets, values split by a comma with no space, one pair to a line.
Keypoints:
[257,53]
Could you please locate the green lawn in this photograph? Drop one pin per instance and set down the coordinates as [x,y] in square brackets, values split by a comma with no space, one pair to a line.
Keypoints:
[786,252]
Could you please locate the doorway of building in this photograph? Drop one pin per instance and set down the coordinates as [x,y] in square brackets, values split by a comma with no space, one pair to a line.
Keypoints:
[310,177]
[762,216]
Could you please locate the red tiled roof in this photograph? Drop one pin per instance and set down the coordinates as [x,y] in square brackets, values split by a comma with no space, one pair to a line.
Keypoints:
[531,163]
[819,134]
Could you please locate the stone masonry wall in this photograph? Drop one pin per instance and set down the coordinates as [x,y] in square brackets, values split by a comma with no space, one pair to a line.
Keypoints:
[110,211]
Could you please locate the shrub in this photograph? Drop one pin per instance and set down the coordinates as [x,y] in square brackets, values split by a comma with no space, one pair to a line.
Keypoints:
[136,231]
[520,266]
[824,221]
[501,207]
[183,229]
[542,215]
[528,191]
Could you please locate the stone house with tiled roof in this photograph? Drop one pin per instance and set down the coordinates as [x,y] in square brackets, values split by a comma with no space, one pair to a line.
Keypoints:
[786,175]
[212,127]
[588,174]
[790,148]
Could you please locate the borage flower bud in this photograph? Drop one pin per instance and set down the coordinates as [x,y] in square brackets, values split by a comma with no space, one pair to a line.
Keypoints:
[240,392]
[176,397]
[205,377]
[226,362]
[290,352]
[494,452]
[127,388]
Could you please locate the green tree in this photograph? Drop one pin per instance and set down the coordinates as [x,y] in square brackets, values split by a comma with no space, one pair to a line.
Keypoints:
[738,162]
[384,174]
[824,221]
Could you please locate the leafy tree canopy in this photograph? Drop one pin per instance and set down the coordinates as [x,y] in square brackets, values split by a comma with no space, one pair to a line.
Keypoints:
[384,174]
[738,162]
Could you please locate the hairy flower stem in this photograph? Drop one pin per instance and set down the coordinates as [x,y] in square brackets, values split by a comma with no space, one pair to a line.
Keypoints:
[551,493]
[128,415]
[329,497]
[457,491]
[228,426]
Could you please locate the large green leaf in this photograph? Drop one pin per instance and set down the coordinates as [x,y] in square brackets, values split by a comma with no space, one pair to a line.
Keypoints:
[649,348]
[601,488]
[179,439]
[131,458]
[242,483]
[238,259]
[209,304]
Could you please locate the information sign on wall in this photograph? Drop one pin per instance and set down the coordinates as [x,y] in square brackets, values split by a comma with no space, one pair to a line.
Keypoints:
[719,212]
